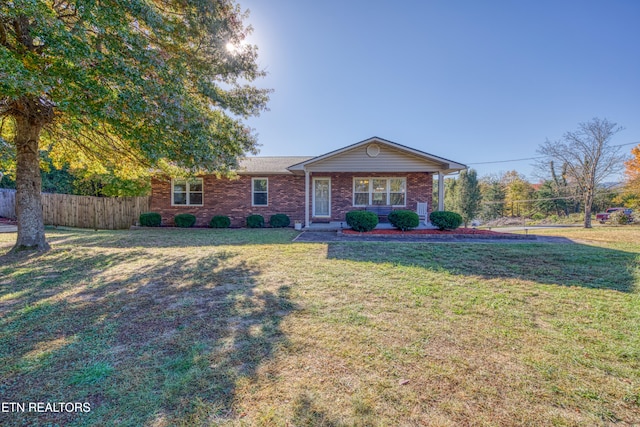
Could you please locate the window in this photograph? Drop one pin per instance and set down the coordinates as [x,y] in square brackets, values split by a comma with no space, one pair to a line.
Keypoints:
[259,192]
[187,192]
[379,191]
[360,192]
[397,190]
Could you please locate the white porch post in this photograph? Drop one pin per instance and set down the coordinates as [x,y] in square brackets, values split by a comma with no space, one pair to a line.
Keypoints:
[440,191]
[307,222]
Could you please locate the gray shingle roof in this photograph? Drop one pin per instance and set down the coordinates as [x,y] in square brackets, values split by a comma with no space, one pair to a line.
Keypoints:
[266,165]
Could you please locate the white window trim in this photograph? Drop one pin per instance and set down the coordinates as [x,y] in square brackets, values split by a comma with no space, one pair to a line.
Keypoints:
[187,192]
[253,180]
[314,197]
[371,178]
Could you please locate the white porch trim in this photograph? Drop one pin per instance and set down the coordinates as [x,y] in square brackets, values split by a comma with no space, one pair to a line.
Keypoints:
[440,191]
[307,219]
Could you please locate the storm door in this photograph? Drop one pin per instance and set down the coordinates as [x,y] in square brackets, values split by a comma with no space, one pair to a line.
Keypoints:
[321,197]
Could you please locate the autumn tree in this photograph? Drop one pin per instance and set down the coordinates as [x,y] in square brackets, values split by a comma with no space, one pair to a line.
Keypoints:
[589,157]
[123,87]
[632,174]
[518,194]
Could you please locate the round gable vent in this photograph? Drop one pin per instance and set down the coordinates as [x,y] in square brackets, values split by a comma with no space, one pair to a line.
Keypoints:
[373,150]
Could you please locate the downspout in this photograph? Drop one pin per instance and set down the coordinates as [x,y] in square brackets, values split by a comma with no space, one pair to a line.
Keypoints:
[307,221]
[440,191]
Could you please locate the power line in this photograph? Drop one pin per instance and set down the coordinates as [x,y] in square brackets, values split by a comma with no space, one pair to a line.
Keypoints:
[507,161]
[538,157]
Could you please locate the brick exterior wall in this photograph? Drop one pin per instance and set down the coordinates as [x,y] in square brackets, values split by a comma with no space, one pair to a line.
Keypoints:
[232,197]
[286,195]
[419,189]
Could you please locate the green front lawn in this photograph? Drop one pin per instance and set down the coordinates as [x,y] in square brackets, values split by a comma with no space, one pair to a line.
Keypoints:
[243,327]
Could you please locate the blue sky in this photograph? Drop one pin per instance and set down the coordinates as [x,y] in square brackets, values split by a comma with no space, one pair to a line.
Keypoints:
[471,81]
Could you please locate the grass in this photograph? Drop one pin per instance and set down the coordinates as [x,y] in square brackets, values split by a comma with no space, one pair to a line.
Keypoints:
[244,328]
[626,236]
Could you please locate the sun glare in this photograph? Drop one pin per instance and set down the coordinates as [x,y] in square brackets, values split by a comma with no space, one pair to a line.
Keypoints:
[234,48]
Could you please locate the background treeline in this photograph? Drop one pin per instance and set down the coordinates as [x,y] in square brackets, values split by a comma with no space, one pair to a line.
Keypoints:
[510,194]
[574,175]
[82,182]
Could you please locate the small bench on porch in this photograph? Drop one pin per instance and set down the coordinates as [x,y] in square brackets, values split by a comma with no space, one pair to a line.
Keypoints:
[382,211]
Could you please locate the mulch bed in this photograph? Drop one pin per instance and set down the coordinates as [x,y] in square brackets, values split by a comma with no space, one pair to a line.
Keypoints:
[444,232]
[7,221]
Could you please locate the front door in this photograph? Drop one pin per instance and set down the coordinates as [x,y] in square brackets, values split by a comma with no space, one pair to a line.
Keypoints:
[322,197]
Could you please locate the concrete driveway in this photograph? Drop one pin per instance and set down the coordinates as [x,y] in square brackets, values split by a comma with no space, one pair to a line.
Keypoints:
[4,228]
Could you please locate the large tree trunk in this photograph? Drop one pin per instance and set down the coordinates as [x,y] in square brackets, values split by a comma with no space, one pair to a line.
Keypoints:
[28,186]
[588,202]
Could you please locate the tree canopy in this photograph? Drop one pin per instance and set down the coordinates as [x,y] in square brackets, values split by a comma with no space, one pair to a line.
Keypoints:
[468,196]
[518,194]
[493,195]
[588,156]
[124,87]
[632,174]
[632,170]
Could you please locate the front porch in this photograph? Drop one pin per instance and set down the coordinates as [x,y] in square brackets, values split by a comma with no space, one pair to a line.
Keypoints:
[375,175]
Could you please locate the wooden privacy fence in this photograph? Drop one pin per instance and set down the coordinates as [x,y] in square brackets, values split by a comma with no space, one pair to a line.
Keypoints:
[85,211]
[7,203]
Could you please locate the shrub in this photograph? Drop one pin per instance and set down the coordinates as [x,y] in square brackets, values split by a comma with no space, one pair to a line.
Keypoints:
[150,219]
[538,216]
[445,220]
[620,218]
[362,220]
[255,221]
[184,220]
[220,221]
[279,221]
[404,220]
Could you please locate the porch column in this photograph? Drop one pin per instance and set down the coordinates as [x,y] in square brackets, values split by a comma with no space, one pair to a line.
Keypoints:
[440,191]
[307,222]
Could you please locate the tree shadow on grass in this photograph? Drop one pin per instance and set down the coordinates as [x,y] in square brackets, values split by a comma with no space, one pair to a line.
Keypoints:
[307,414]
[165,340]
[169,237]
[558,264]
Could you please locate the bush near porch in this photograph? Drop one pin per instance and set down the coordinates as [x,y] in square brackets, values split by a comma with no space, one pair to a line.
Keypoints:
[362,221]
[404,219]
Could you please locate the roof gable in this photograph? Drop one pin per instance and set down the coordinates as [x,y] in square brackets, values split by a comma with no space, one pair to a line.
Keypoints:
[377,155]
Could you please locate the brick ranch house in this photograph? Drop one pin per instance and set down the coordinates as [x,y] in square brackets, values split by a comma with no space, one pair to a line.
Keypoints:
[370,174]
